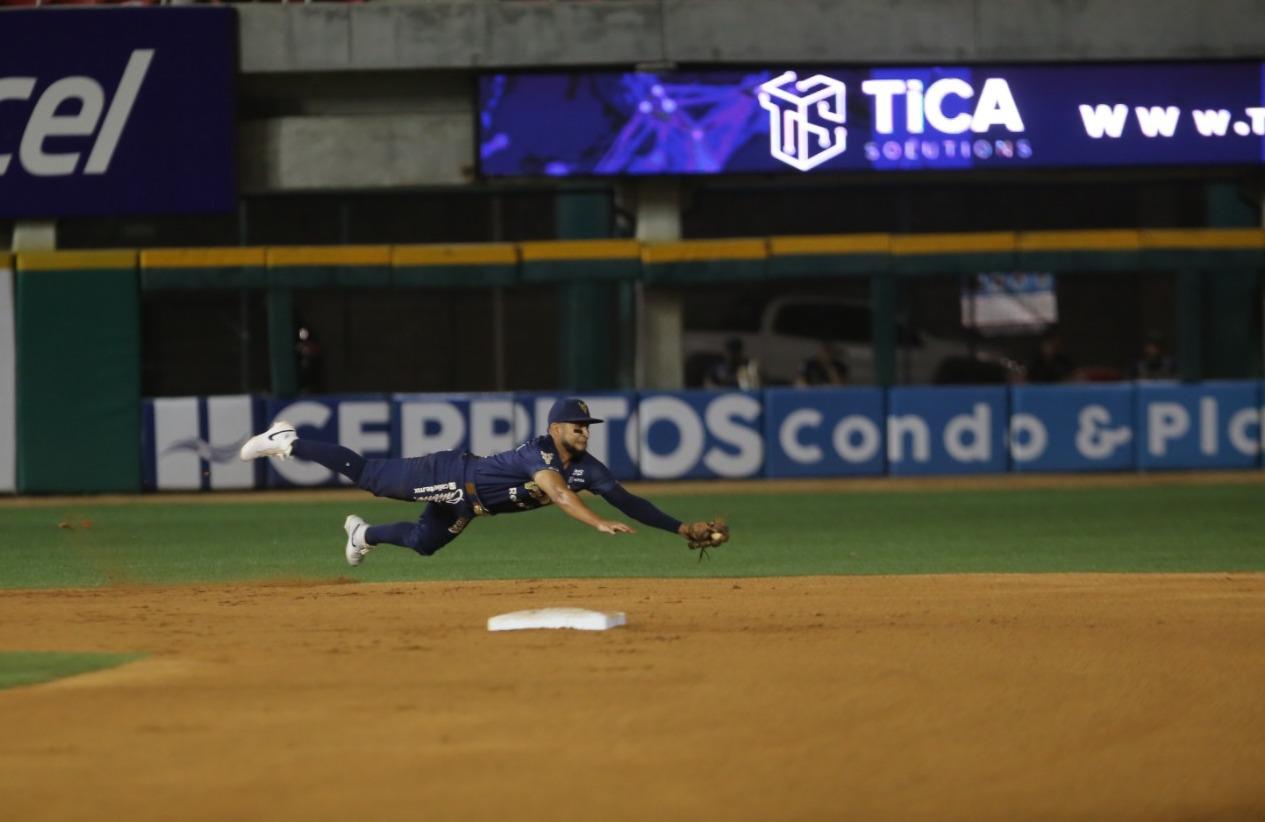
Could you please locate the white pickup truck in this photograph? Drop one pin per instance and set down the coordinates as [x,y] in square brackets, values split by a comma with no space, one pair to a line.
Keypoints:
[792,328]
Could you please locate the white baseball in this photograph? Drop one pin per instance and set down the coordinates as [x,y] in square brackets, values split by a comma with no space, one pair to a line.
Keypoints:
[717,536]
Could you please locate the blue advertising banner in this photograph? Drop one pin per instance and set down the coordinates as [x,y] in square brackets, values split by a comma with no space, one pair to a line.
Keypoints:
[700,434]
[117,111]
[1072,428]
[191,443]
[946,430]
[848,118]
[424,423]
[1210,425]
[824,432]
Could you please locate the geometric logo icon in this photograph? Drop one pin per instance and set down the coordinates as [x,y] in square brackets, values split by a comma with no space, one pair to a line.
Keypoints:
[805,119]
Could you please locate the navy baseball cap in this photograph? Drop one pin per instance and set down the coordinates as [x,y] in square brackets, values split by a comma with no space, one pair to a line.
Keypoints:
[571,409]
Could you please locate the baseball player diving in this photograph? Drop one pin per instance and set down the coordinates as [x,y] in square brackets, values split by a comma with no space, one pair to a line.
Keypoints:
[458,486]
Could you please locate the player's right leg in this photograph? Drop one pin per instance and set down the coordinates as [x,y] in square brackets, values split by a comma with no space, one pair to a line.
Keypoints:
[410,479]
[437,526]
[436,477]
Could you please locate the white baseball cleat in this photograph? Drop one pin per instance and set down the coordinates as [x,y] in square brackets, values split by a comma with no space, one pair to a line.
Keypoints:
[275,442]
[356,545]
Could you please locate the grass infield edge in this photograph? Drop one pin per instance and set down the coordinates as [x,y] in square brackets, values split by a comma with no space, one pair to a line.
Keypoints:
[20,668]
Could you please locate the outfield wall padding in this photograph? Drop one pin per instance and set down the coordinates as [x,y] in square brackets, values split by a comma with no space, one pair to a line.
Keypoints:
[8,381]
[77,348]
[78,372]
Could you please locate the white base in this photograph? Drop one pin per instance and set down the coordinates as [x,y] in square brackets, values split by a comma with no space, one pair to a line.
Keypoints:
[578,618]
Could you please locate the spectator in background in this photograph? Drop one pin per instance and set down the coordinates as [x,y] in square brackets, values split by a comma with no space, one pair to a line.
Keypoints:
[1154,363]
[1051,364]
[307,351]
[823,368]
[736,370]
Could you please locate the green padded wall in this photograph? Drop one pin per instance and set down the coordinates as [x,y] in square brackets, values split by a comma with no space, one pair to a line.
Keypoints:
[78,372]
[585,346]
[8,382]
[1233,300]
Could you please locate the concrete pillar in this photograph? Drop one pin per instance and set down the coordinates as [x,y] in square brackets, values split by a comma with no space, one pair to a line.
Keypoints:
[659,353]
[660,315]
[35,235]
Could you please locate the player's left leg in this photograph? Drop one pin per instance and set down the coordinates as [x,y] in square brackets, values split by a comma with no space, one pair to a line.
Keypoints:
[391,478]
[436,527]
[282,440]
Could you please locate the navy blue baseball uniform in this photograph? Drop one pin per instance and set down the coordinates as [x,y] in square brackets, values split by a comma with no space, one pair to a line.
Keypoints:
[501,490]
[458,487]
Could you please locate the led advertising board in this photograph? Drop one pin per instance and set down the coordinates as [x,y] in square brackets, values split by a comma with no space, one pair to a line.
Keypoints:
[849,119]
[117,111]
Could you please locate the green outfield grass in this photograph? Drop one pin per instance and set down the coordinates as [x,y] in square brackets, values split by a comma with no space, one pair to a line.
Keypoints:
[29,668]
[1150,529]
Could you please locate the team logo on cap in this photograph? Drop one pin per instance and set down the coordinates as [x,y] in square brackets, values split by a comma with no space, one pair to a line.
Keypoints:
[584,407]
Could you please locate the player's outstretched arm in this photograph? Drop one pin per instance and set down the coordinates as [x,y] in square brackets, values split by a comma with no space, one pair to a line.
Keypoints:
[641,509]
[699,535]
[552,484]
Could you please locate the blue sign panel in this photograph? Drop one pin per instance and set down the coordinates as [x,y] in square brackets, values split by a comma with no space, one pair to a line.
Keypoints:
[117,111]
[614,441]
[946,430]
[831,119]
[700,434]
[1211,425]
[1072,428]
[824,432]
[424,423]
[361,423]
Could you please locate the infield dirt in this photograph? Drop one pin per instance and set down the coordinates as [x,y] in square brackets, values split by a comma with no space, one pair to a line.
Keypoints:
[937,697]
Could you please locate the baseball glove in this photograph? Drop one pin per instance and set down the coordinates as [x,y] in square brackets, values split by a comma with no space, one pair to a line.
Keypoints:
[704,535]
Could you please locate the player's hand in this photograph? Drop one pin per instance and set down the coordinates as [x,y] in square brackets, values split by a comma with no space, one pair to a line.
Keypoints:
[608,526]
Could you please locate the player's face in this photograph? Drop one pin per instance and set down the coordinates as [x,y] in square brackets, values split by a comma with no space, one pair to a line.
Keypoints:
[575,437]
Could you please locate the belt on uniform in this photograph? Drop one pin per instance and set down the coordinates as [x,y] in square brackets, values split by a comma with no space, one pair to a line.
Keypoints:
[479,510]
